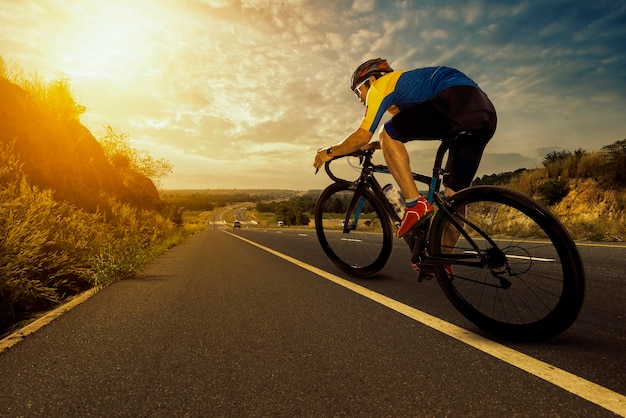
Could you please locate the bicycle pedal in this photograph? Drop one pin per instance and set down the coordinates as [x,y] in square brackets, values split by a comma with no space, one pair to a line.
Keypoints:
[423,275]
[418,238]
[410,241]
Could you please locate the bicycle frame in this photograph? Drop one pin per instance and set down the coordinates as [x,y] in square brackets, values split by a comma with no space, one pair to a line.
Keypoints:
[416,244]
[503,260]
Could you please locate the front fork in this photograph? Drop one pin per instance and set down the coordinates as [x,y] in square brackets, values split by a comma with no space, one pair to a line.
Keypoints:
[356,207]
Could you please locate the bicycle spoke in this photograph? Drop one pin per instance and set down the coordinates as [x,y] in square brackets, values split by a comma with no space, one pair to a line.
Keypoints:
[358,242]
[522,284]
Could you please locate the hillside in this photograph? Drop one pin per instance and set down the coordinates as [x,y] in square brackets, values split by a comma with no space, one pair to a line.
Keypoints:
[586,190]
[60,154]
[75,212]
[593,212]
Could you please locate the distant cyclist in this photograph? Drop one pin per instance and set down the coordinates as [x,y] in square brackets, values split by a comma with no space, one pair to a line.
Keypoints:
[434,102]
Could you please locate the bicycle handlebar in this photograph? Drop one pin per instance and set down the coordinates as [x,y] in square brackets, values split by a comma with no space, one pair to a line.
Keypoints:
[365,159]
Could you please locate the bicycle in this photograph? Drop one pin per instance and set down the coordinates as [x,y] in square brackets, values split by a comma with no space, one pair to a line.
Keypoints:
[517,272]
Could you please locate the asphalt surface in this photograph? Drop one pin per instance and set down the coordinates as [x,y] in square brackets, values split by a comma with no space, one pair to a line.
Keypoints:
[220,327]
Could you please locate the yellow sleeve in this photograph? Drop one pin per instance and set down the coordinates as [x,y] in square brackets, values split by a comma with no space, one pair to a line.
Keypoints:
[375,103]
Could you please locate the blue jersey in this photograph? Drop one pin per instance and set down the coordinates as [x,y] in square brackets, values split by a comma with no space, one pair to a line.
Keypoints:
[399,90]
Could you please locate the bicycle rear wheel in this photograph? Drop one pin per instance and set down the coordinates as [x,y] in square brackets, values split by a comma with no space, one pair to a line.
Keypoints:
[527,281]
[358,242]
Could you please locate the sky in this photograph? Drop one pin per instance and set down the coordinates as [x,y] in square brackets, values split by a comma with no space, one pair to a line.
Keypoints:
[241,93]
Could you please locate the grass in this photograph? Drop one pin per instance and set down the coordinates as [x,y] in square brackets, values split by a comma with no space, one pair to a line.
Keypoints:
[72,232]
[51,251]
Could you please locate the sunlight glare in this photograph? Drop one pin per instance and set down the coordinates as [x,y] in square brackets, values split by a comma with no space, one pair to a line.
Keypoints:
[108,40]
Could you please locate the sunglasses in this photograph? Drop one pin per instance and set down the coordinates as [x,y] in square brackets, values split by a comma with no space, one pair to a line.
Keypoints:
[357,89]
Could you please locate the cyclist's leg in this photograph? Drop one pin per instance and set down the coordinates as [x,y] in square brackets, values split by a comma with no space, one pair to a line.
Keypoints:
[450,234]
[463,160]
[435,118]
[473,112]
[422,121]
[454,110]
[397,158]
[398,162]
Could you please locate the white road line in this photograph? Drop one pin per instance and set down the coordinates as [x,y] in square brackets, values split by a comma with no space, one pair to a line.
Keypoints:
[599,395]
[519,257]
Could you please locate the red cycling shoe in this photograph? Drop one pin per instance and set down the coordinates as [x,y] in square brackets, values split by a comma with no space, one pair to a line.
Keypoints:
[414,215]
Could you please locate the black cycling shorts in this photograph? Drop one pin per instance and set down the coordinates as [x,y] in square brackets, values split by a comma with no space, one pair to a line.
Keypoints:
[454,110]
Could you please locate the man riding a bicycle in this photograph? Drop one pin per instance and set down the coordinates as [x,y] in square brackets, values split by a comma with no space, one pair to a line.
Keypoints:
[426,103]
[503,260]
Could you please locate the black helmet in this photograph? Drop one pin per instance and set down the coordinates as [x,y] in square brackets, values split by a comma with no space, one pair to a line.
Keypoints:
[375,67]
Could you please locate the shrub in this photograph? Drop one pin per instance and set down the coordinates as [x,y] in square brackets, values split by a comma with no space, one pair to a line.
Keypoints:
[51,250]
[616,166]
[63,225]
[125,158]
[552,192]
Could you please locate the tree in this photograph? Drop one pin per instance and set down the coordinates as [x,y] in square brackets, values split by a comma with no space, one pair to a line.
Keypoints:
[124,157]
[554,156]
[302,219]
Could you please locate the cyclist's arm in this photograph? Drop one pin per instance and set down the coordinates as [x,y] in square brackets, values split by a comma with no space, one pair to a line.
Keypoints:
[372,145]
[354,142]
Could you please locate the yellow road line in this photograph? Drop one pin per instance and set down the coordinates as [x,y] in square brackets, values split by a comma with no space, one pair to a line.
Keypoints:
[19,335]
[599,244]
[599,395]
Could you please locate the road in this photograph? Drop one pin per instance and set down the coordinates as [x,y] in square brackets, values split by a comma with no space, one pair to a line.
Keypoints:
[257,322]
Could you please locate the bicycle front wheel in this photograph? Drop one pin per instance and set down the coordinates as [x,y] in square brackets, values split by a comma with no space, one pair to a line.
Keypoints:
[522,278]
[354,231]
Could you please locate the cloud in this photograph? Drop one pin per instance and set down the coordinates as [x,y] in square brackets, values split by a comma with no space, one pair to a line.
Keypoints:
[363,6]
[236,88]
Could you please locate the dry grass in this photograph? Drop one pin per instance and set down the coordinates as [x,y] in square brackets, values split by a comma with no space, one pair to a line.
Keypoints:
[51,249]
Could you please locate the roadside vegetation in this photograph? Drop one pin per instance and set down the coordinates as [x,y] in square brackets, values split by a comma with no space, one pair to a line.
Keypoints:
[76,212]
[585,189]
[296,211]
[207,200]
[265,206]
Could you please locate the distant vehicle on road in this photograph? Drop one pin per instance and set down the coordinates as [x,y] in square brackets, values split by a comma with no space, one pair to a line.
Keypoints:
[281,223]
[236,224]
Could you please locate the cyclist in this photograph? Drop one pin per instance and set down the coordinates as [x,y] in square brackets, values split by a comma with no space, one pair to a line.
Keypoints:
[426,103]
